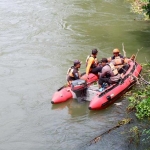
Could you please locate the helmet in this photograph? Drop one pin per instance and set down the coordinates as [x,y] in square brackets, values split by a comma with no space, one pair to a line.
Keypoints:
[94,51]
[116,50]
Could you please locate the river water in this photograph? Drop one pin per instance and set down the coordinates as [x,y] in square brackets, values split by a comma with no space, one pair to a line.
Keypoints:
[39,39]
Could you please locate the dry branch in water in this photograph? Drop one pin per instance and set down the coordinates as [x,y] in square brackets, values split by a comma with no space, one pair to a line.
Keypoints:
[124,52]
[120,123]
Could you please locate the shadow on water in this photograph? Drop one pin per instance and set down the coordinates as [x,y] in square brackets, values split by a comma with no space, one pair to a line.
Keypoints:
[80,108]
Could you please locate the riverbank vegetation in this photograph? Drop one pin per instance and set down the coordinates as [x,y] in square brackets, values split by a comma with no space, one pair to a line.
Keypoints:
[141,7]
[139,107]
[140,99]
[139,103]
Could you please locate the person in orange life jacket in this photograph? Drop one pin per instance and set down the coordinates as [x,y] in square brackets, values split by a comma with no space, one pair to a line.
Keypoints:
[91,63]
[116,53]
[108,74]
[73,72]
[117,58]
[120,62]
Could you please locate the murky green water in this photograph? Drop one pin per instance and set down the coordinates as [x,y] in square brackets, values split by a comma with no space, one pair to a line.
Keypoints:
[38,42]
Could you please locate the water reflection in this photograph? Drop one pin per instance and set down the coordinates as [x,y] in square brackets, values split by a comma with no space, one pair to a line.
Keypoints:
[74,107]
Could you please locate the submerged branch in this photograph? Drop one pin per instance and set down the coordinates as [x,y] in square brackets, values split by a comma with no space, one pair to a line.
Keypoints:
[120,123]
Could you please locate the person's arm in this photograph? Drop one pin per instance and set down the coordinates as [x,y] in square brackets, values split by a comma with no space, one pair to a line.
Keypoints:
[79,74]
[103,72]
[90,62]
[96,61]
[76,74]
[109,59]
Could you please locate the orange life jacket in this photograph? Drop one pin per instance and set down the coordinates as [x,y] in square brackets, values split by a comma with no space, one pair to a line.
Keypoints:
[95,61]
[113,68]
[70,74]
[118,61]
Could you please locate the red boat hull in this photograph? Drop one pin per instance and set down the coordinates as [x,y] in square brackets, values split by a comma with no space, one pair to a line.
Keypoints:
[103,100]
[63,94]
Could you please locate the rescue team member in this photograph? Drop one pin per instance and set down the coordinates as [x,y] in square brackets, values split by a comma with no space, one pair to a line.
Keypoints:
[73,72]
[109,73]
[116,53]
[117,58]
[120,62]
[92,63]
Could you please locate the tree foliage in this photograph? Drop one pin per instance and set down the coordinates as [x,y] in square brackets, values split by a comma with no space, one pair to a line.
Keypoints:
[141,7]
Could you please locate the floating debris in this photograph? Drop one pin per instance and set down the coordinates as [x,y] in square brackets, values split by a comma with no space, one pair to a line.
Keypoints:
[118,104]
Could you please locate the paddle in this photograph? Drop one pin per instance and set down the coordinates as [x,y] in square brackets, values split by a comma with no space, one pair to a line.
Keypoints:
[62,87]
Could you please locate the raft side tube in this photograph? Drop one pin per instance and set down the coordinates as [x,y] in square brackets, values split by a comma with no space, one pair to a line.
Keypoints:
[91,78]
[137,70]
[62,95]
[107,98]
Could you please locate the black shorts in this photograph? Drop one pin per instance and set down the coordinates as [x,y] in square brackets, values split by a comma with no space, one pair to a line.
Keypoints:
[96,70]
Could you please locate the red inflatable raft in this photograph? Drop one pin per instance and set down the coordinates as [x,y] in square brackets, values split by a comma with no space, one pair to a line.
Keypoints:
[90,92]
[103,99]
[65,93]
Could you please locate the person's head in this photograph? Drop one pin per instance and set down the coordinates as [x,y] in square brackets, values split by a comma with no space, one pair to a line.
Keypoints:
[104,61]
[116,52]
[77,63]
[94,52]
